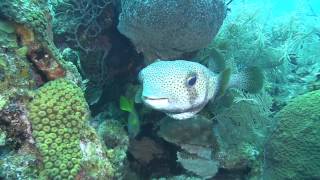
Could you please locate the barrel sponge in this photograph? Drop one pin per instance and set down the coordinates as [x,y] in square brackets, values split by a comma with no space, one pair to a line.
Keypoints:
[167,29]
[58,113]
[293,150]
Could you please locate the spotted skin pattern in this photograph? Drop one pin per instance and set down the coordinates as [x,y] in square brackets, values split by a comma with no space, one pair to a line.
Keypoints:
[170,80]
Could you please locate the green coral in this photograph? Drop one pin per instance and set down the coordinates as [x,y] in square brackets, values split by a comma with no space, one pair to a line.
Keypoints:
[57,113]
[3,102]
[36,17]
[3,137]
[34,14]
[117,141]
[293,150]
[95,164]
[15,73]
[18,165]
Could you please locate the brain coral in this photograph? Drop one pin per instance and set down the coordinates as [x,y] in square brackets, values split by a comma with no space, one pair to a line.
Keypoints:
[58,113]
[293,151]
[167,29]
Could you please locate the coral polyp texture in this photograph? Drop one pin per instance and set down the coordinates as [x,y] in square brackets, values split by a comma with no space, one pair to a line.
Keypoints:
[293,150]
[58,113]
[168,29]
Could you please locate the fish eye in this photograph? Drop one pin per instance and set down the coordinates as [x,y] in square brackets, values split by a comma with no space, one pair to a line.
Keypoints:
[192,81]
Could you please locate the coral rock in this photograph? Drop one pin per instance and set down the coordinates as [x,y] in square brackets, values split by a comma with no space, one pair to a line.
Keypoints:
[168,29]
[58,113]
[293,149]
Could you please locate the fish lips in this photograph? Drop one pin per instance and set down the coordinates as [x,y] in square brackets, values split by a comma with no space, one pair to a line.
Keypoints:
[156,103]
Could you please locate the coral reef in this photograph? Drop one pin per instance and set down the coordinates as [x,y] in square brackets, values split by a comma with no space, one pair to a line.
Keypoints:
[3,137]
[68,146]
[292,151]
[96,162]
[284,47]
[182,177]
[197,151]
[145,150]
[50,46]
[28,58]
[233,139]
[13,121]
[15,71]
[85,27]
[182,132]
[57,113]
[19,165]
[34,14]
[116,141]
[82,22]
[241,130]
[158,28]
[33,25]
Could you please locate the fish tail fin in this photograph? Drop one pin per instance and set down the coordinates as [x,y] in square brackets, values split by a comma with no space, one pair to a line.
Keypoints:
[251,80]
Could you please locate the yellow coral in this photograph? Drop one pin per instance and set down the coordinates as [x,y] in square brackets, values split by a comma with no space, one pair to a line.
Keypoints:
[57,113]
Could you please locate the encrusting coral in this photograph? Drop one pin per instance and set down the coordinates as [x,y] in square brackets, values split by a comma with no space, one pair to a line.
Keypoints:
[58,113]
[196,153]
[32,21]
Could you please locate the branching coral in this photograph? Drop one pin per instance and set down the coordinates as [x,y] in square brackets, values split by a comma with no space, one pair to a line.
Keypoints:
[84,26]
[241,131]
[285,47]
[81,21]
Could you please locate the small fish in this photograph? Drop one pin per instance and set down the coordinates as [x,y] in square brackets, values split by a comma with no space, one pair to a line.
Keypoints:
[182,88]
[133,118]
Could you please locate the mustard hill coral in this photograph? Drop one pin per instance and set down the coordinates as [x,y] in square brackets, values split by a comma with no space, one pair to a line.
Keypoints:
[57,113]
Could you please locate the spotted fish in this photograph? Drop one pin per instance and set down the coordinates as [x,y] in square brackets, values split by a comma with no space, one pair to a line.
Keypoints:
[182,88]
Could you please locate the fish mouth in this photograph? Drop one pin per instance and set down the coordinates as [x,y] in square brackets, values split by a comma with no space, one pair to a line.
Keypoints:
[153,98]
[155,102]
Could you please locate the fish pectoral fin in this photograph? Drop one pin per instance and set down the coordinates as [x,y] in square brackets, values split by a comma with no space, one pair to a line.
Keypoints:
[223,82]
[216,61]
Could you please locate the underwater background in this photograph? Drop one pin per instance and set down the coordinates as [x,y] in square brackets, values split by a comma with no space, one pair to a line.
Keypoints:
[79,81]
